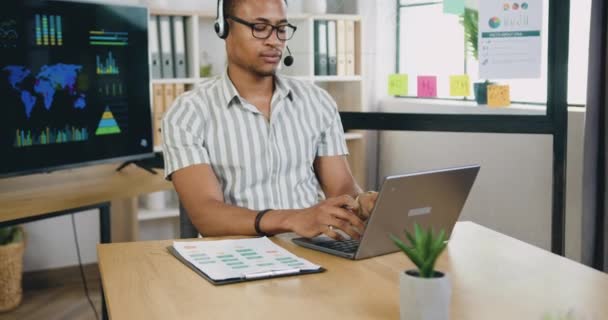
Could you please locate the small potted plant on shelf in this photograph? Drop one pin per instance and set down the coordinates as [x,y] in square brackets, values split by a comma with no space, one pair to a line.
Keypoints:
[470,22]
[12,245]
[424,293]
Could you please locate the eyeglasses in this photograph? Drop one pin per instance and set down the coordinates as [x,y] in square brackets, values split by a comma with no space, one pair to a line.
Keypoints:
[261,30]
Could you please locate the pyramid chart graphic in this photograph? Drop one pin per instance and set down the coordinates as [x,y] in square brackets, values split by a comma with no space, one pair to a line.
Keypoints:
[108,124]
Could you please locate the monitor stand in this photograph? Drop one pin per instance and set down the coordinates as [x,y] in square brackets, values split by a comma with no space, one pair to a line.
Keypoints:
[141,164]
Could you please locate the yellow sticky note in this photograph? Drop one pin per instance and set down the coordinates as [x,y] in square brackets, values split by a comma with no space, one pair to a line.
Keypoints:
[499,96]
[398,85]
[460,86]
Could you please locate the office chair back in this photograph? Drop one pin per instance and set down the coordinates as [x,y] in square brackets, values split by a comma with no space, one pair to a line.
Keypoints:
[186,228]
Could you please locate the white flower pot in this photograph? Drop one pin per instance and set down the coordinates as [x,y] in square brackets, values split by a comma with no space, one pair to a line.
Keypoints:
[315,6]
[424,299]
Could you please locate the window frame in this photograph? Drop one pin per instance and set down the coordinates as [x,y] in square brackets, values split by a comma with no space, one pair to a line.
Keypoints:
[465,99]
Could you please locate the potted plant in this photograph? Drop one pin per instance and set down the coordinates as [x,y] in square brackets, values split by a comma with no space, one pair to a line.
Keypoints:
[424,293]
[470,22]
[12,245]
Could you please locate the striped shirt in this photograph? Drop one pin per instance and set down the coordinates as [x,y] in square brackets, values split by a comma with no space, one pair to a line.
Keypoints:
[259,164]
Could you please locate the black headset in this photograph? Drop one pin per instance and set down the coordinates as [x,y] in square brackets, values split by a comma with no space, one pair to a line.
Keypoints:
[221,25]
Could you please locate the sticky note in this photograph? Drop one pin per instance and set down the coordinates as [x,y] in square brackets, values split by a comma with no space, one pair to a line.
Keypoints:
[499,96]
[453,7]
[398,85]
[427,87]
[460,86]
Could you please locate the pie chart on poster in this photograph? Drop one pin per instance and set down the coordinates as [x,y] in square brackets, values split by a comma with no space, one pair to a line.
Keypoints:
[494,23]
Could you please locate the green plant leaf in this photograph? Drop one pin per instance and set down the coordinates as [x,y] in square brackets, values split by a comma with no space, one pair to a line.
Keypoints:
[17,235]
[470,22]
[6,235]
[439,241]
[410,237]
[418,233]
[409,252]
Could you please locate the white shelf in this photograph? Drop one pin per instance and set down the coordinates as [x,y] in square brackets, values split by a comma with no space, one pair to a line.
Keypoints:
[182,13]
[148,215]
[337,78]
[176,81]
[353,136]
[336,17]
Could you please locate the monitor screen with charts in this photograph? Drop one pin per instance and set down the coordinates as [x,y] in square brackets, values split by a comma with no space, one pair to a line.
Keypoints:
[74,82]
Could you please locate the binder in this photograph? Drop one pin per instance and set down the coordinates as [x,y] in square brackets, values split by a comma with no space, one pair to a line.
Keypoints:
[238,260]
[350,48]
[341,35]
[321,48]
[166,47]
[179,89]
[154,48]
[266,275]
[179,47]
[169,96]
[332,48]
[158,136]
[158,100]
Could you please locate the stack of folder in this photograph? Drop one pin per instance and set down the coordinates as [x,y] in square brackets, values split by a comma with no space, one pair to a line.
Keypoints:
[168,47]
[163,99]
[334,42]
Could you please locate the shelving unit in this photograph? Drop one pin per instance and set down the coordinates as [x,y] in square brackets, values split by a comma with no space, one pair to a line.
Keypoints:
[347,91]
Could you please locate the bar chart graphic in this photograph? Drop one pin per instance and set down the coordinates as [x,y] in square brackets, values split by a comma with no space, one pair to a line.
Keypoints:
[49,30]
[27,138]
[108,66]
[112,89]
[108,124]
[107,38]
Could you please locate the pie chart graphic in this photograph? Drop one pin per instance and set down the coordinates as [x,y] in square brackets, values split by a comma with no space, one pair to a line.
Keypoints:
[495,23]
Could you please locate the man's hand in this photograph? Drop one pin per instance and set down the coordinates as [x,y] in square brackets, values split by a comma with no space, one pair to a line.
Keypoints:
[328,216]
[366,202]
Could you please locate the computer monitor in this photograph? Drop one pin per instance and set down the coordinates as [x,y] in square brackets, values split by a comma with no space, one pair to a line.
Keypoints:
[74,85]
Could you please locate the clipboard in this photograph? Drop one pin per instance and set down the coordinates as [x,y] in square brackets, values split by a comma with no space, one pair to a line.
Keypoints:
[253,277]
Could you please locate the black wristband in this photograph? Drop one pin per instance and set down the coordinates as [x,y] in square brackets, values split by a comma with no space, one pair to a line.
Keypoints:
[256,225]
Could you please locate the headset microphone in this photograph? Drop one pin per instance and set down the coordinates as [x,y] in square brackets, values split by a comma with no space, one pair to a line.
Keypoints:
[288,61]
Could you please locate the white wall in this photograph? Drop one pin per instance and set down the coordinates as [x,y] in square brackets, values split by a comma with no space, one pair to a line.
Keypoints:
[513,191]
[50,243]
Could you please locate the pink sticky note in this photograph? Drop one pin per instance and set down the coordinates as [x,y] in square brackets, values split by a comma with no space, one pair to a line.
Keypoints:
[427,86]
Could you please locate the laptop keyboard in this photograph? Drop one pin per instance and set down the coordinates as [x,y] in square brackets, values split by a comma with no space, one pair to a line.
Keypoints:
[348,246]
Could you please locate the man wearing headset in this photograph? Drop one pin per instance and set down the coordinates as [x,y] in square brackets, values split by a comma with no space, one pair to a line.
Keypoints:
[254,153]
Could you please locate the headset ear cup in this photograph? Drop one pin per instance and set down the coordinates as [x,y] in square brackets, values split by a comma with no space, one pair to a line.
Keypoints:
[226,30]
[221,25]
[216,26]
[223,34]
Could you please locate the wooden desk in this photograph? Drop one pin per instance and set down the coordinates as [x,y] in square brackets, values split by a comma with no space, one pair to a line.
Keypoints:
[493,277]
[35,195]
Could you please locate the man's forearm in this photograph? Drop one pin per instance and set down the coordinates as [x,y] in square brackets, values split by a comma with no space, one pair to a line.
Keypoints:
[352,190]
[216,218]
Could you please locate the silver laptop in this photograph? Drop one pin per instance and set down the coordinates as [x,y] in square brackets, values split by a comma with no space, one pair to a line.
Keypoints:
[431,199]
